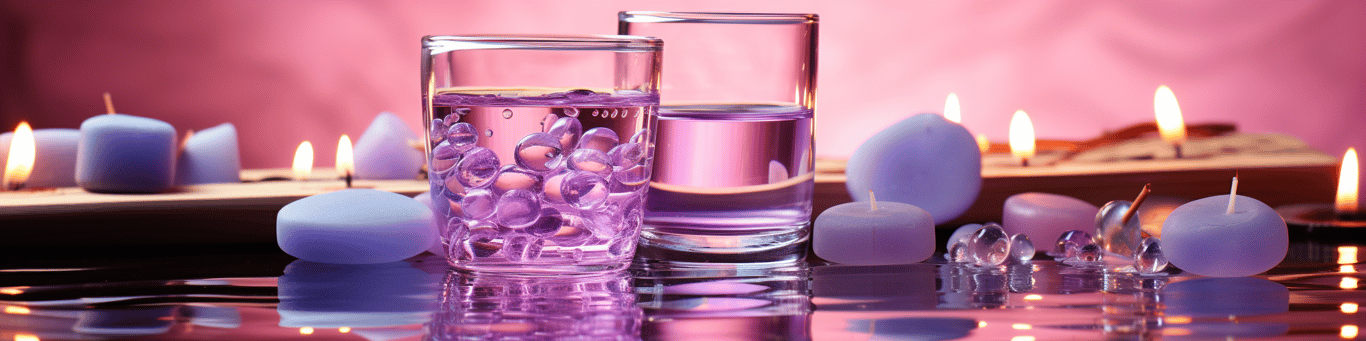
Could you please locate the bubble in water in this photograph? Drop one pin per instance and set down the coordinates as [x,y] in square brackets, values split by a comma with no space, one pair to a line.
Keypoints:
[538,152]
[602,139]
[1021,249]
[590,160]
[482,242]
[595,113]
[584,190]
[514,246]
[478,204]
[571,112]
[478,168]
[958,253]
[488,132]
[547,225]
[1149,258]
[567,130]
[462,136]
[516,178]
[1069,242]
[507,113]
[437,132]
[1087,253]
[444,156]
[518,209]
[989,246]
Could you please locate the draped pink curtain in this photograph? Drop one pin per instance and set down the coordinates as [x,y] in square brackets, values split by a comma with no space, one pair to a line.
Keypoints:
[288,71]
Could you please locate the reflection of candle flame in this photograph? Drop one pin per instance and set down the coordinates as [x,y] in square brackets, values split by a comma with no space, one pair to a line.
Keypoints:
[1349,308]
[17,310]
[952,111]
[1346,202]
[22,152]
[26,337]
[1021,136]
[346,162]
[1348,283]
[1347,255]
[303,161]
[1349,331]
[344,330]
[306,331]
[1169,121]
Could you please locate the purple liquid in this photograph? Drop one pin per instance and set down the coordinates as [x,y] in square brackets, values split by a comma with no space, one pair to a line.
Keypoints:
[540,180]
[731,178]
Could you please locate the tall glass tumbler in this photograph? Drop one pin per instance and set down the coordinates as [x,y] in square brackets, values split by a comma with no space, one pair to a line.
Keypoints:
[734,169]
[539,148]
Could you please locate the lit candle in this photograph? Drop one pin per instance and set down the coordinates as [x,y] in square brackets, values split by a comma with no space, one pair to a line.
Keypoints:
[346,164]
[924,160]
[1345,204]
[1225,236]
[355,226]
[1169,122]
[19,162]
[873,233]
[1045,217]
[125,154]
[384,151]
[210,156]
[303,161]
[56,165]
[952,110]
[983,144]
[1021,137]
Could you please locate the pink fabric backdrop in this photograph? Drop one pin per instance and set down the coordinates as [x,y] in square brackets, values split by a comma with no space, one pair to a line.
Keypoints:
[287,71]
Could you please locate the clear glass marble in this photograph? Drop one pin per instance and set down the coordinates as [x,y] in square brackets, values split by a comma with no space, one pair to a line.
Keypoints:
[1070,242]
[1021,249]
[989,246]
[1149,258]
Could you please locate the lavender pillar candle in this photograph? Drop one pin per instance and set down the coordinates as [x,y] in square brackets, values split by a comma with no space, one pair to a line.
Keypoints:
[1045,217]
[1205,238]
[126,154]
[383,151]
[55,164]
[210,156]
[925,160]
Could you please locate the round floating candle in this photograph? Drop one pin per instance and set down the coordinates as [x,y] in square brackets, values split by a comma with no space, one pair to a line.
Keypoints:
[210,156]
[924,160]
[126,154]
[874,233]
[383,151]
[1045,217]
[55,164]
[1205,237]
[355,226]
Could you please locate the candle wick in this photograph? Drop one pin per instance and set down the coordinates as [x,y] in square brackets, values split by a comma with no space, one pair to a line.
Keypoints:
[1232,193]
[108,104]
[348,179]
[872,199]
[1024,162]
[1177,147]
[1133,208]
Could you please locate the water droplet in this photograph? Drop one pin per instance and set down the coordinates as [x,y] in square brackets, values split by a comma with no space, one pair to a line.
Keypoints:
[584,190]
[1021,249]
[1088,253]
[488,132]
[1070,240]
[478,168]
[479,204]
[602,139]
[1149,258]
[590,160]
[462,136]
[507,113]
[958,253]
[538,152]
[989,246]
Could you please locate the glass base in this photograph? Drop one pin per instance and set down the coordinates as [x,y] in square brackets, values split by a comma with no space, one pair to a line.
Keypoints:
[541,269]
[708,247]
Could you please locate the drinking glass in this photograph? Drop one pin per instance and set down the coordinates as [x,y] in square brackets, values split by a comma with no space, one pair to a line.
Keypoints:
[539,148]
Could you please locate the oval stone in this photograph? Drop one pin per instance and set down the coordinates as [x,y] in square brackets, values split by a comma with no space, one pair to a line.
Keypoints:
[355,226]
[924,160]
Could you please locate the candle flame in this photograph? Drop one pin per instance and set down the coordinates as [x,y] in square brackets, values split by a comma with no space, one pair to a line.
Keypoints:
[1169,121]
[22,152]
[983,144]
[303,161]
[952,111]
[1348,177]
[1021,136]
[306,331]
[346,162]
[26,337]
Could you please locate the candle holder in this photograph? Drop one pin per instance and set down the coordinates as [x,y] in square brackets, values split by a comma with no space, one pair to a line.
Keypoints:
[1321,217]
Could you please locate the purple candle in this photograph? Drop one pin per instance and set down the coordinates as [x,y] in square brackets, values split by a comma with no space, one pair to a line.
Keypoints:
[874,233]
[1045,217]
[384,151]
[126,154]
[210,156]
[1219,237]
[55,161]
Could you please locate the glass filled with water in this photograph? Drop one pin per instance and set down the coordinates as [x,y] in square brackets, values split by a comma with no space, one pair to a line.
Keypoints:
[540,148]
[733,172]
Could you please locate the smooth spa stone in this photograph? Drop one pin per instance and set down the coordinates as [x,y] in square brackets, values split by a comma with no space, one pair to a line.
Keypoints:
[55,162]
[1199,237]
[924,160]
[384,151]
[210,156]
[355,226]
[1045,216]
[126,154]
[855,234]
[426,199]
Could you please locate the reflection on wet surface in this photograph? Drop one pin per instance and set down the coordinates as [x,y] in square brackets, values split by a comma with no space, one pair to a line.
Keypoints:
[1313,295]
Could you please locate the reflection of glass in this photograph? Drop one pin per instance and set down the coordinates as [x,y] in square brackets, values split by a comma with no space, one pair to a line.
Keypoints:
[497,306]
[753,304]
[357,296]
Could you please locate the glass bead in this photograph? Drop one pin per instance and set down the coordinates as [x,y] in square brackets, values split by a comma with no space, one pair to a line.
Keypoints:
[567,130]
[462,136]
[1070,240]
[600,139]
[1149,258]
[1021,249]
[584,190]
[437,132]
[538,152]
[518,209]
[478,168]
[958,253]
[590,160]
[989,246]
[478,204]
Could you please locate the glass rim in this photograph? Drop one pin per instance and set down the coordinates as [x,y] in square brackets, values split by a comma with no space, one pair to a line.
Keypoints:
[618,43]
[717,17]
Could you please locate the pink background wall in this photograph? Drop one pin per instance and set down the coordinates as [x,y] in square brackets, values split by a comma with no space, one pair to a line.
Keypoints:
[287,71]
